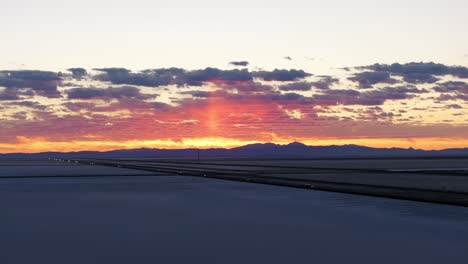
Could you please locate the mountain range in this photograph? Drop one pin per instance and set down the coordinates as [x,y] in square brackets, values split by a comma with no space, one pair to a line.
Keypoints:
[266,150]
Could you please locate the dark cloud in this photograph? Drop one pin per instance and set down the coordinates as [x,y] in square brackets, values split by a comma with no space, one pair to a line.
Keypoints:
[281,75]
[172,76]
[280,98]
[375,97]
[109,93]
[201,94]
[287,58]
[325,82]
[388,93]
[43,83]
[452,90]
[375,113]
[234,90]
[420,78]
[150,78]
[454,106]
[452,86]
[338,96]
[19,115]
[404,90]
[296,86]
[342,92]
[30,104]
[264,96]
[30,75]
[369,78]
[78,73]
[240,63]
[130,104]
[419,72]
[287,96]
[78,106]
[448,97]
[173,71]
[252,87]
[181,77]
[9,95]
[198,77]
[112,71]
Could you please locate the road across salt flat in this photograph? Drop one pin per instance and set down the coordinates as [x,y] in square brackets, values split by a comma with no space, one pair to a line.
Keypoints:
[180,219]
[382,178]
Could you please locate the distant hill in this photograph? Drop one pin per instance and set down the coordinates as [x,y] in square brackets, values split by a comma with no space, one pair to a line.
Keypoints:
[267,150]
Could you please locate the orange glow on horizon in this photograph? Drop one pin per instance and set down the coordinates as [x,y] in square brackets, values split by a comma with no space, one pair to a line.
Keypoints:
[41,144]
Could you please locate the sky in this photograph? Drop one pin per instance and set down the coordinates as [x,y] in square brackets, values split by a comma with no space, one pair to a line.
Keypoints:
[176,74]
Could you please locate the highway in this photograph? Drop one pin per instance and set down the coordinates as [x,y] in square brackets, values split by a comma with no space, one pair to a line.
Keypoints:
[435,185]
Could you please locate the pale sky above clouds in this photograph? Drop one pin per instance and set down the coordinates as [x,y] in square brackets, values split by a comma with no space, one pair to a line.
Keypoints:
[317,35]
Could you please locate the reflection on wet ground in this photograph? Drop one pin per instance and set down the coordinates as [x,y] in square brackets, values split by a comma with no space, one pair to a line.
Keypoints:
[177,219]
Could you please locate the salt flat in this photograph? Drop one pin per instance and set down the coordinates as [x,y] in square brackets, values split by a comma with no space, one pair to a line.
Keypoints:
[45,168]
[448,175]
[179,219]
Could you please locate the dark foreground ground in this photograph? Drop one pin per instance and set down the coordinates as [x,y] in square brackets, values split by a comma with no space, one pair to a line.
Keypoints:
[178,219]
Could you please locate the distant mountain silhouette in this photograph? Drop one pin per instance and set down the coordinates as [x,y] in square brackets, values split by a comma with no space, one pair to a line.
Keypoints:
[267,150]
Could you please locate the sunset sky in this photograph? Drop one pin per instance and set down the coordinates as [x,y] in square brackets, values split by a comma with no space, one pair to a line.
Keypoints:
[102,75]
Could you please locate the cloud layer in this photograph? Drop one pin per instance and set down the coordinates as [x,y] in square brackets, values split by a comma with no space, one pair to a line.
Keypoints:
[414,100]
